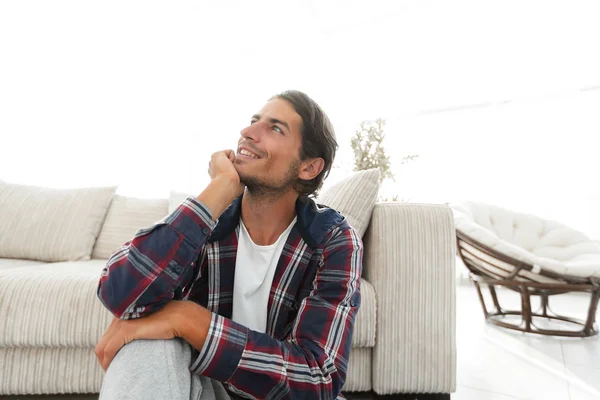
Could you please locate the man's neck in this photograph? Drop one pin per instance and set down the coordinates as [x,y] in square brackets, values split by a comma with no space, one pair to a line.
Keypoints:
[266,217]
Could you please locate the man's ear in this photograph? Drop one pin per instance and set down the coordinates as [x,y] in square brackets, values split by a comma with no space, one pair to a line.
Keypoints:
[310,168]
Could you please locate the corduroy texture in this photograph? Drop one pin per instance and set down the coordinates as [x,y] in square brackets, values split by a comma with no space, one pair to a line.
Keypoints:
[354,197]
[358,378]
[65,310]
[76,370]
[127,215]
[365,325]
[410,261]
[48,224]
[49,371]
[52,305]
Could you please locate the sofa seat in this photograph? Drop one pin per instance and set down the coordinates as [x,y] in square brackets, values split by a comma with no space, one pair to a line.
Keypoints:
[56,321]
[55,305]
[12,263]
[52,305]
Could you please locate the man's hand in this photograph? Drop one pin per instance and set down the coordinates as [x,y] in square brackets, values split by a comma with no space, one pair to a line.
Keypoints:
[225,185]
[163,324]
[221,164]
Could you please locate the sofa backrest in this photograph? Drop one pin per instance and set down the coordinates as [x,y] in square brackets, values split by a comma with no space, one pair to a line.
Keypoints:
[354,197]
[125,216]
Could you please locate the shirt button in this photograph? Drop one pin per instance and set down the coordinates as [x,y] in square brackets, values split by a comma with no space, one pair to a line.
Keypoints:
[178,268]
[192,264]
[205,231]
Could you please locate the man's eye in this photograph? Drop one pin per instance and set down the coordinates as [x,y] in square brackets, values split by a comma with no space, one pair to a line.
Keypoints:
[252,122]
[277,129]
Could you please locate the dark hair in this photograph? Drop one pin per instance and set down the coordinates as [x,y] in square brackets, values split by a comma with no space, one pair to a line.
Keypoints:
[318,138]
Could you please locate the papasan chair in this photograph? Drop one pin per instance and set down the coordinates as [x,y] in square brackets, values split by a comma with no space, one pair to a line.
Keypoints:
[532,256]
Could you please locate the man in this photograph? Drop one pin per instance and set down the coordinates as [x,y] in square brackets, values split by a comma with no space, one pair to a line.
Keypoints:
[249,289]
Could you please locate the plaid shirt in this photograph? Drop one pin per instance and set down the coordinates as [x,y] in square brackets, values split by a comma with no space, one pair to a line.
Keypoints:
[312,304]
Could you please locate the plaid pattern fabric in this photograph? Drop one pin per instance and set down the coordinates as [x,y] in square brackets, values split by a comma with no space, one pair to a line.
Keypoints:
[311,308]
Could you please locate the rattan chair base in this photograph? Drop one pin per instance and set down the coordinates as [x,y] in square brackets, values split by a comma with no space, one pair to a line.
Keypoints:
[528,317]
[527,288]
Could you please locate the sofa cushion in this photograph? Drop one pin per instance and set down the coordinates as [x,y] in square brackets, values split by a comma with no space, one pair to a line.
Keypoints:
[547,245]
[358,377]
[366,322]
[11,263]
[42,370]
[354,197]
[52,305]
[126,215]
[48,224]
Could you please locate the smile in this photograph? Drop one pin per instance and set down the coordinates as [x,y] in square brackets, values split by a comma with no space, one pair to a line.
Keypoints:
[246,153]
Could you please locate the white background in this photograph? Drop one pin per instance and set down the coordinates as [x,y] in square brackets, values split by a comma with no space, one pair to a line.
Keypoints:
[500,99]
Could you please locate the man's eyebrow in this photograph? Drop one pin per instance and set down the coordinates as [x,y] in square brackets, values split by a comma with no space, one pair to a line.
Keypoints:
[273,121]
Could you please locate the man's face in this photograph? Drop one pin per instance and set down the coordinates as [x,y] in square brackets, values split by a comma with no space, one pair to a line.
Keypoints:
[268,155]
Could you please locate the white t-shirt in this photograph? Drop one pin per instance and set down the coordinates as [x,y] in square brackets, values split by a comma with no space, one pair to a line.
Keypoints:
[254,270]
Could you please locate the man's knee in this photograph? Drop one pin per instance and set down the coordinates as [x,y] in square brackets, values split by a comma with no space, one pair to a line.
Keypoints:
[155,366]
[140,349]
[148,350]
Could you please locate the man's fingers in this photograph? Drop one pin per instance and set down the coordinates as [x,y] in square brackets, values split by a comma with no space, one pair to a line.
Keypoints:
[230,154]
[105,339]
[110,351]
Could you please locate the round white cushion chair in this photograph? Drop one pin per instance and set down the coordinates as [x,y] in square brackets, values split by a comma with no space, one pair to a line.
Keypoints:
[533,256]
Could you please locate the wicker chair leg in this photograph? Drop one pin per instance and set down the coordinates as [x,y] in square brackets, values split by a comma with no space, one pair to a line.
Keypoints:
[526,307]
[589,324]
[495,298]
[481,300]
[544,304]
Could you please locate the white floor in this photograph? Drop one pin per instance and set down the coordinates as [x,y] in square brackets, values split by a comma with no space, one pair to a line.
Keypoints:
[499,364]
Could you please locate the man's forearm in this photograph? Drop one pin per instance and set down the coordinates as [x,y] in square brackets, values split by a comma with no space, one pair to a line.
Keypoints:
[193,322]
[218,195]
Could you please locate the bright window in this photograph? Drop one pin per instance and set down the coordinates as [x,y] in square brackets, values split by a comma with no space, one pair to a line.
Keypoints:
[499,98]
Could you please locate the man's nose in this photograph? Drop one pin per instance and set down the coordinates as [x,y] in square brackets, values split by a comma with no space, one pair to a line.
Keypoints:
[252,132]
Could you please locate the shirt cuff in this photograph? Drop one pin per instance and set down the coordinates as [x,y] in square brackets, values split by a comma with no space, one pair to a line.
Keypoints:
[192,219]
[222,350]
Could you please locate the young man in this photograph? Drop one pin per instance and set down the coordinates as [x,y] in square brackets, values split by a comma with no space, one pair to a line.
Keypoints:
[249,290]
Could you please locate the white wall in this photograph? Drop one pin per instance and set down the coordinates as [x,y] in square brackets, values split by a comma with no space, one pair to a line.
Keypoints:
[140,93]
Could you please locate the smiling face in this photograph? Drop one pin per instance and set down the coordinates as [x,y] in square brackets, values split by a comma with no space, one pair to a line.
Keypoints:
[268,156]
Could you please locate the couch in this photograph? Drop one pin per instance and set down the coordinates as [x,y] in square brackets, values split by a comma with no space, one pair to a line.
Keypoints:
[54,243]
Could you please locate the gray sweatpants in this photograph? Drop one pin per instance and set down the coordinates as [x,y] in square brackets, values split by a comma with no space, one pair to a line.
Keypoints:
[157,369]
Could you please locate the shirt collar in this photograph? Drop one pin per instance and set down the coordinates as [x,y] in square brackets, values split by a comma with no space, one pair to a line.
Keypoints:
[314,222]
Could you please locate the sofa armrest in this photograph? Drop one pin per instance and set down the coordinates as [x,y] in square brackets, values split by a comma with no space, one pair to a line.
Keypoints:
[410,261]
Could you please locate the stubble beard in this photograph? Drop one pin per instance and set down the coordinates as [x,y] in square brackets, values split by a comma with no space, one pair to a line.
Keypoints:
[270,189]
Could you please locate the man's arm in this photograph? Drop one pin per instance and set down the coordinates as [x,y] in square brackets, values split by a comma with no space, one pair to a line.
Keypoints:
[146,272]
[159,263]
[312,362]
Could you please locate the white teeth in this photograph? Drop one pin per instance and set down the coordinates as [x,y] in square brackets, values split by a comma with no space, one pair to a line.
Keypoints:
[247,153]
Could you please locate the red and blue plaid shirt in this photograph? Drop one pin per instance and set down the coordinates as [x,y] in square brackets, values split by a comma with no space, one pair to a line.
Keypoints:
[312,304]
